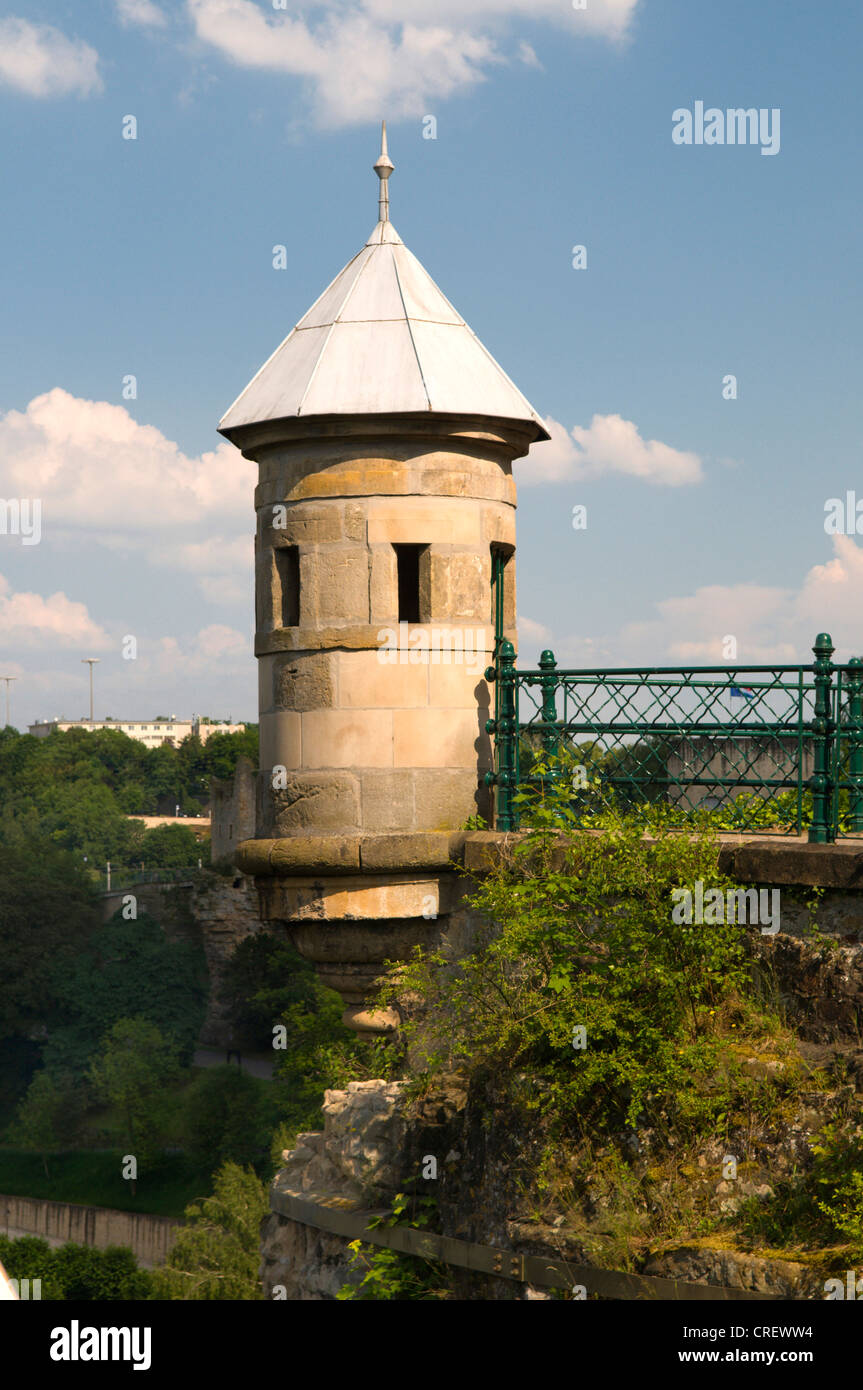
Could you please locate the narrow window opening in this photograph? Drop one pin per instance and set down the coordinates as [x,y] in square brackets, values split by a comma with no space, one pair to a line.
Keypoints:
[288,571]
[408,569]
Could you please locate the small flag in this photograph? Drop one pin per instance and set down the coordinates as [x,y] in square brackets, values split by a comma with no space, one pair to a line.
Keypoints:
[742,692]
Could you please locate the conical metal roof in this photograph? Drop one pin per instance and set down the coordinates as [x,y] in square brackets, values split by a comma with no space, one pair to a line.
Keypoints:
[382,339]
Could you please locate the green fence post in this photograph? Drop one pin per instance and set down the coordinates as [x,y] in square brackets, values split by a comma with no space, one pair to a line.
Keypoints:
[855,743]
[822,831]
[548,684]
[505,731]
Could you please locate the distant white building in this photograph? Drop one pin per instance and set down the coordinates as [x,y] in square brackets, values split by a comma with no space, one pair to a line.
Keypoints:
[153,732]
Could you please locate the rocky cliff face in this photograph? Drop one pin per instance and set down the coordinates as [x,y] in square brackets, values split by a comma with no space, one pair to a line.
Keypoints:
[376,1142]
[355,1163]
[820,987]
[215,912]
[493,1184]
[225,911]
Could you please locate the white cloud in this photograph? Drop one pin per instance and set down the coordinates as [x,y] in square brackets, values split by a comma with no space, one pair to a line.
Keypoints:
[769,623]
[772,624]
[28,620]
[40,61]
[208,672]
[609,444]
[527,54]
[142,12]
[531,632]
[132,490]
[368,58]
[215,652]
[224,566]
[691,629]
[608,17]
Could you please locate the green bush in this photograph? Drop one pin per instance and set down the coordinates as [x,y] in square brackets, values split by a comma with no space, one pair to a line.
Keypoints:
[74,1273]
[583,936]
[389,1276]
[217,1253]
[228,1118]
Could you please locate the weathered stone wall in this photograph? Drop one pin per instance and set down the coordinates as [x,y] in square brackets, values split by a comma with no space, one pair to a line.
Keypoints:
[149,1237]
[373,745]
[354,1163]
[215,912]
[820,988]
[232,815]
[375,1142]
[225,911]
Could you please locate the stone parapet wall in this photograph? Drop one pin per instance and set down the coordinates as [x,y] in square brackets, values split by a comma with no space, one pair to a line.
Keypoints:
[232,812]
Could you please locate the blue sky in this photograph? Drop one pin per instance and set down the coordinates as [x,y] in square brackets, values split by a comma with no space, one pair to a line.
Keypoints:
[258,126]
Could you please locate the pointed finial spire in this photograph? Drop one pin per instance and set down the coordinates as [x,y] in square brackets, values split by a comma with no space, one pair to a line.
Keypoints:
[383,169]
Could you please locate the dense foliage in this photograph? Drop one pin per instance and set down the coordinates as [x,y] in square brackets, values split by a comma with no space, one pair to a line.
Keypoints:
[584,938]
[133,1072]
[76,791]
[276,1003]
[127,968]
[624,1044]
[75,1272]
[229,1117]
[217,1252]
[47,910]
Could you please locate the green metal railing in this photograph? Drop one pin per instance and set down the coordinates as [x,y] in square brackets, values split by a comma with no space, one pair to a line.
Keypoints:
[774,749]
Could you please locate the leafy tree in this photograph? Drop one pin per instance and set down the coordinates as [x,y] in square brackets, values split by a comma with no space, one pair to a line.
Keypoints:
[78,788]
[171,846]
[216,1254]
[132,1070]
[47,910]
[227,1117]
[126,968]
[263,978]
[222,751]
[162,777]
[49,1117]
[83,816]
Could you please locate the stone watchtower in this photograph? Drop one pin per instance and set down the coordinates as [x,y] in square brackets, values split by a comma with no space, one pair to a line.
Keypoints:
[385,435]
